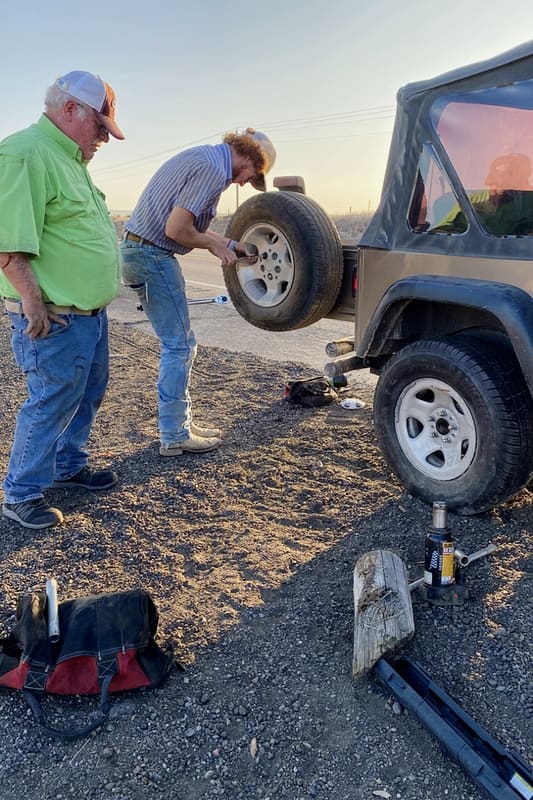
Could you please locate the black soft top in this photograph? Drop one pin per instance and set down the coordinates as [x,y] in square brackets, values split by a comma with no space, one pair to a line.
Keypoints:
[388,228]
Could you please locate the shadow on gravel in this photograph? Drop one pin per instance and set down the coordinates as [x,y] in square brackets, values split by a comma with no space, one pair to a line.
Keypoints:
[248,552]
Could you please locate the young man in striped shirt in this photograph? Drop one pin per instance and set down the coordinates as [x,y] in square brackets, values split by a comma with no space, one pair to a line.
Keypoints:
[172,217]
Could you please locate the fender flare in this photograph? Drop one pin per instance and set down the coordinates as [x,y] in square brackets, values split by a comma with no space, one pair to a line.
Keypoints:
[512,306]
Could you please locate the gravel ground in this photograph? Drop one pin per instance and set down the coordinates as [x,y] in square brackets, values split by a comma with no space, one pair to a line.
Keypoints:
[249,553]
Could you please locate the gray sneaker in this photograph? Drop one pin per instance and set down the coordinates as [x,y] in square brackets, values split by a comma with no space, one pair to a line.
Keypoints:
[34,514]
[193,444]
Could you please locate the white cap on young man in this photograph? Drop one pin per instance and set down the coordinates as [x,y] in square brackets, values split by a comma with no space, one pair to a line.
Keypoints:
[269,152]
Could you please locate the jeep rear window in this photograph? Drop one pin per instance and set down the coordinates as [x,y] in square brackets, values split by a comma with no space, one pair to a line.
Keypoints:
[488,137]
[433,201]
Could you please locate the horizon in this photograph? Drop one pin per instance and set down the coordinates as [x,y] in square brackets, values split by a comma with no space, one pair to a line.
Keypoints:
[126,213]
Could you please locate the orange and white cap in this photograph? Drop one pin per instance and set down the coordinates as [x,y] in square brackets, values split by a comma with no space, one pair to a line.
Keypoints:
[94,92]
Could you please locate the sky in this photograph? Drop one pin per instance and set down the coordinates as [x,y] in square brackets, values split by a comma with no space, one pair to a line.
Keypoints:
[319,77]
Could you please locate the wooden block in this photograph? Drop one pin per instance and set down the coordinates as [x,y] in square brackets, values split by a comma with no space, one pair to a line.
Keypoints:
[383,609]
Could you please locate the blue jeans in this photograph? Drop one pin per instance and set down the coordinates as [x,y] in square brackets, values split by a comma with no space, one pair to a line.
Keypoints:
[66,377]
[156,277]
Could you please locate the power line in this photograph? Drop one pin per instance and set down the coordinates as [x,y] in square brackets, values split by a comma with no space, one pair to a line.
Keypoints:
[153,156]
[357,115]
[376,112]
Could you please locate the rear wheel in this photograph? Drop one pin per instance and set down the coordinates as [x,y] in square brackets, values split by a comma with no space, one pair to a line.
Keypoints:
[454,419]
[298,274]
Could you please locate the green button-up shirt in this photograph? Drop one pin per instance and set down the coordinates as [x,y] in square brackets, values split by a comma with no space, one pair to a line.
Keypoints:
[50,209]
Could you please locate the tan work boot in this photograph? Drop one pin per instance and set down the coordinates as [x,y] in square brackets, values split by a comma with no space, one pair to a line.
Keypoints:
[205,433]
[193,444]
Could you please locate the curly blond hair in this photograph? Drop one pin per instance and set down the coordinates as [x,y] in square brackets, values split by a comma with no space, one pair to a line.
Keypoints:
[246,146]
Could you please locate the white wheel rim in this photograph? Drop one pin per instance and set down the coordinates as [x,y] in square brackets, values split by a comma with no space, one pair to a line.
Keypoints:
[435,429]
[267,282]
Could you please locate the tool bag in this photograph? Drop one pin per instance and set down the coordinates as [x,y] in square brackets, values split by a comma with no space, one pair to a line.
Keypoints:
[106,644]
[310,392]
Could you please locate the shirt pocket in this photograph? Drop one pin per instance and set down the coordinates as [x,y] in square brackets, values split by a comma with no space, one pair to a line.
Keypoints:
[75,214]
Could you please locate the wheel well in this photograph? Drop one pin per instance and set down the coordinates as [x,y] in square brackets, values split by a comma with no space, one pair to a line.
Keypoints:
[434,306]
[405,322]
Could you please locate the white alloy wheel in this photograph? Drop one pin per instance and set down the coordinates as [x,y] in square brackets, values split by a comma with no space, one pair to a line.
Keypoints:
[435,429]
[268,281]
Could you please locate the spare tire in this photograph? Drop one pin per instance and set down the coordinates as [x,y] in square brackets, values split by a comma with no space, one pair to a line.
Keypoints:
[298,274]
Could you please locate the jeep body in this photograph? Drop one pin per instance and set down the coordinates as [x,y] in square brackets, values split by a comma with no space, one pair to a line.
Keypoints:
[440,285]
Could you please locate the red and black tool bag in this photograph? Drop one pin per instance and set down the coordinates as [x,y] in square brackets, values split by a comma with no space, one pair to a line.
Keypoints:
[106,644]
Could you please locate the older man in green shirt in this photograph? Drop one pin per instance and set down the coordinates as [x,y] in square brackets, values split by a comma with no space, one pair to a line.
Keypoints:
[59,270]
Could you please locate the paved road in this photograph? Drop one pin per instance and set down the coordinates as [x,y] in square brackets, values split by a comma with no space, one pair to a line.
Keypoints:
[222,326]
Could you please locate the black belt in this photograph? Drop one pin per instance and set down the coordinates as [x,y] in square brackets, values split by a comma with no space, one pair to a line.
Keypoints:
[134,238]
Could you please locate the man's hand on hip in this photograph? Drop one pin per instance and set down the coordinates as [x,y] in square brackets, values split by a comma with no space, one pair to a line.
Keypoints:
[39,317]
